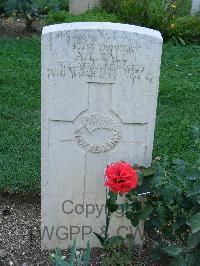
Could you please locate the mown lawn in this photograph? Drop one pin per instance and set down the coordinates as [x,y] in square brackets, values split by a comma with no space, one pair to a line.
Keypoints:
[178,109]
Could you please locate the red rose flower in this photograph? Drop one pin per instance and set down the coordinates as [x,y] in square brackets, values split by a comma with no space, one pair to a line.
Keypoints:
[120,177]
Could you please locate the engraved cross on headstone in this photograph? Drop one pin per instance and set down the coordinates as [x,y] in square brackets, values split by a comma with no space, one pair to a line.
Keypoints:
[95,134]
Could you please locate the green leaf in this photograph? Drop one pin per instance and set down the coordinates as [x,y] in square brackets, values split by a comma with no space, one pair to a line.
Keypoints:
[140,180]
[194,223]
[155,221]
[181,40]
[178,162]
[195,190]
[101,239]
[192,258]
[133,218]
[156,253]
[175,40]
[111,202]
[179,261]
[79,260]
[168,194]
[161,213]
[148,171]
[57,255]
[58,252]
[60,261]
[196,134]
[180,171]
[194,240]
[145,213]
[115,240]
[87,254]
[179,221]
[193,175]
[112,206]
[73,254]
[112,195]
[173,250]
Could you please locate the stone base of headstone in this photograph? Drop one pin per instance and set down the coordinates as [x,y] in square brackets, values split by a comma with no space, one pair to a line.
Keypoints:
[77,7]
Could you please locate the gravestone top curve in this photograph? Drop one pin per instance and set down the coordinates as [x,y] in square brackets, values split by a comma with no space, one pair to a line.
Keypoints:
[101,26]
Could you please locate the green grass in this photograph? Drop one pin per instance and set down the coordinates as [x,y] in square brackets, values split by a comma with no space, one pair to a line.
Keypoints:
[91,16]
[178,103]
[178,109]
[20,114]
[185,7]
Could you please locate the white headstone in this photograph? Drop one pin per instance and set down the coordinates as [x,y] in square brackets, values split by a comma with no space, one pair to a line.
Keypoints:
[99,94]
[77,7]
[195,6]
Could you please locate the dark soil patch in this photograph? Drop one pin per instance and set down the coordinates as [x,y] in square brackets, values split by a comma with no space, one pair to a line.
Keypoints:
[10,27]
[20,235]
[20,230]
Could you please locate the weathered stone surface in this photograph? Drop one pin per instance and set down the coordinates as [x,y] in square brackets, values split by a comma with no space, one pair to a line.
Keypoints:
[3,253]
[99,93]
[195,6]
[25,264]
[79,6]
